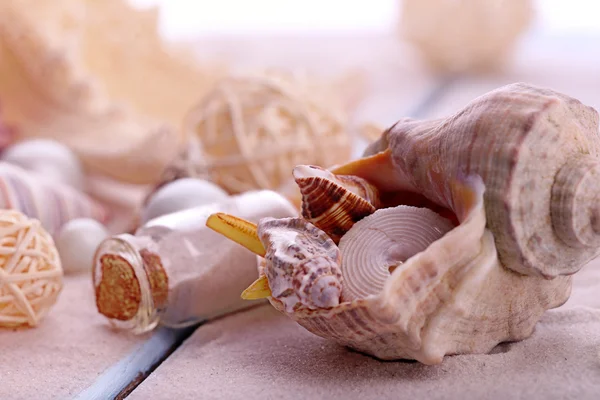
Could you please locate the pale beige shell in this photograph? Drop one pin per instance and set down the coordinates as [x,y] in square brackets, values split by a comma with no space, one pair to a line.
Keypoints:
[378,244]
[96,76]
[538,153]
[454,36]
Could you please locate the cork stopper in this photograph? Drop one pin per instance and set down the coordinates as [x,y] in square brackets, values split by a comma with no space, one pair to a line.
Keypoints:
[118,296]
[131,285]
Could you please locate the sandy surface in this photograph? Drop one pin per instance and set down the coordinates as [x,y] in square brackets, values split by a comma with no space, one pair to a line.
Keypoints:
[65,353]
[260,354]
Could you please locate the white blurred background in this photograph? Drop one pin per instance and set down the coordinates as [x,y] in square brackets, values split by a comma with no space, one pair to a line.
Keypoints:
[187,20]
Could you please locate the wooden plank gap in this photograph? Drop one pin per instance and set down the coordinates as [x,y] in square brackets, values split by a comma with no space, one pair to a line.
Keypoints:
[124,376]
[433,96]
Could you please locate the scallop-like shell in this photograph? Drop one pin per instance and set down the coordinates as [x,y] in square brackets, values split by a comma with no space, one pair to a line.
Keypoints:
[334,203]
[304,262]
[538,153]
[455,297]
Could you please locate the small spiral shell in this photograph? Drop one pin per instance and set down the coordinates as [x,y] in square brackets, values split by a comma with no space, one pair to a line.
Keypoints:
[334,203]
[303,264]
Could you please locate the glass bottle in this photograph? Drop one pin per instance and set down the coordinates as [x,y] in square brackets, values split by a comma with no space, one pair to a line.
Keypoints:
[176,271]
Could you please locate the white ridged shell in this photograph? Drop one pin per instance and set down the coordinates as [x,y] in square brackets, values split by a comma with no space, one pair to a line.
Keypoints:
[381,242]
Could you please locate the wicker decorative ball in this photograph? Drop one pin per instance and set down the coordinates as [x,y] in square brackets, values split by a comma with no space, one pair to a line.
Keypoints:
[455,36]
[30,270]
[251,131]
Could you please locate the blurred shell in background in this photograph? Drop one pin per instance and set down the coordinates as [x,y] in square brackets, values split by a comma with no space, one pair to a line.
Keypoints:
[49,158]
[52,203]
[180,195]
[464,35]
[7,134]
[77,242]
[96,76]
[253,130]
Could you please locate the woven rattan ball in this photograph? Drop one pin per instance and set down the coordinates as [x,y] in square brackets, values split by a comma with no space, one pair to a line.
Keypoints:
[455,36]
[30,270]
[251,131]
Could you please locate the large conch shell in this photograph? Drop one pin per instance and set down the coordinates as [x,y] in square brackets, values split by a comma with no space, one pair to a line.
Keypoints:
[96,76]
[538,153]
[515,168]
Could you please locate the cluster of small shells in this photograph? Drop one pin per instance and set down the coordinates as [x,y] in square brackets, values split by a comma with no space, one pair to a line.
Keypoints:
[410,253]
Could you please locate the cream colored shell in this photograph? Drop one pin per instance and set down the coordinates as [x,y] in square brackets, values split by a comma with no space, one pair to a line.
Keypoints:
[96,76]
[454,36]
[453,298]
[378,244]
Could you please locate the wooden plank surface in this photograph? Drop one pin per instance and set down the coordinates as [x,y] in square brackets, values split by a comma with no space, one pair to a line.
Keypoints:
[70,348]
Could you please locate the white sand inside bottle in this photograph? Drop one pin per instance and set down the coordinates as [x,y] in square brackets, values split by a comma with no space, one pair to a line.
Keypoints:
[205,271]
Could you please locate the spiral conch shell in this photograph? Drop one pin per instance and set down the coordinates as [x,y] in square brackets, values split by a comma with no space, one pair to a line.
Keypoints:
[515,169]
[538,153]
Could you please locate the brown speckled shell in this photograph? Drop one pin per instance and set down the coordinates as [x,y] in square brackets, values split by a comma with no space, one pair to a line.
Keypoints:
[335,206]
[304,266]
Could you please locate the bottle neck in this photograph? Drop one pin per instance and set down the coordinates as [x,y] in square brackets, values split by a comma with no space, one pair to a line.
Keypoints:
[131,287]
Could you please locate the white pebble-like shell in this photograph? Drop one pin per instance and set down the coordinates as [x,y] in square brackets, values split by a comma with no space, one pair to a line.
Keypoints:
[49,158]
[180,195]
[77,242]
